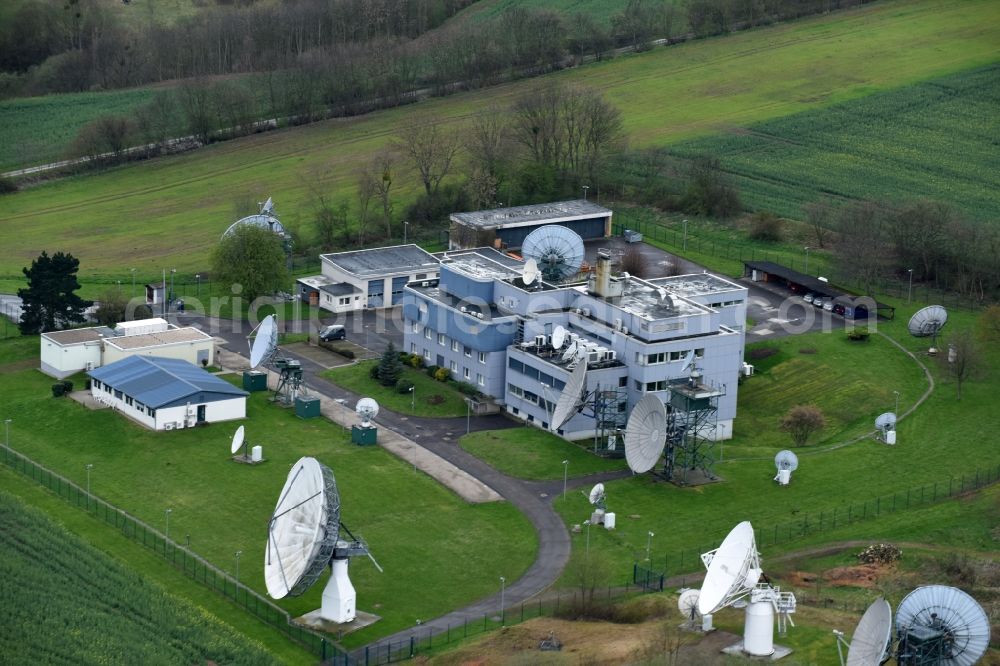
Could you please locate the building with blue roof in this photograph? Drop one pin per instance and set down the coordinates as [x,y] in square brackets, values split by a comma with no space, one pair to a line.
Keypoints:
[166,393]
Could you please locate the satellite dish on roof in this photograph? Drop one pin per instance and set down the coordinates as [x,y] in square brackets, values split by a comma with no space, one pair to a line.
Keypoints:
[303,539]
[688,361]
[530,272]
[733,570]
[238,441]
[558,337]
[367,409]
[645,433]
[265,343]
[886,421]
[946,618]
[557,250]
[870,641]
[570,351]
[571,397]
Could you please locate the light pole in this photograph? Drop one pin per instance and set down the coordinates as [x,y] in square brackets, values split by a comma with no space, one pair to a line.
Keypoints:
[586,552]
[6,428]
[166,515]
[406,228]
[413,398]
[132,270]
[565,472]
[171,297]
[468,415]
[585,188]
[896,411]
[89,467]
[238,553]
[649,543]
[503,586]
[806,248]
[685,235]
[909,288]
[197,277]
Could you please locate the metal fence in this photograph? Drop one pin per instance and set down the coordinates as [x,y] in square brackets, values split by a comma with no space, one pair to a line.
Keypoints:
[183,558]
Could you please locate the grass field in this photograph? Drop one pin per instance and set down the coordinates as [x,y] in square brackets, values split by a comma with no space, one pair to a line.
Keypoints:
[169,212]
[74,603]
[602,10]
[431,397]
[530,453]
[223,507]
[930,140]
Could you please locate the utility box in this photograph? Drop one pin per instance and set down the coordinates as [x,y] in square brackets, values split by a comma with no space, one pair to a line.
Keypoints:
[306,408]
[363,436]
[254,380]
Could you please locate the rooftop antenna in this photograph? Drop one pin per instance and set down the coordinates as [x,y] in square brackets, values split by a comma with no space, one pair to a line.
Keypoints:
[734,574]
[870,644]
[530,272]
[886,426]
[367,409]
[304,538]
[938,624]
[558,337]
[786,462]
[928,322]
[557,250]
[570,352]
[645,433]
[571,398]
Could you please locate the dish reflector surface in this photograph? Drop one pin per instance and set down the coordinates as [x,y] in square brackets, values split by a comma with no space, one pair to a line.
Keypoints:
[730,571]
[687,604]
[558,337]
[557,250]
[927,321]
[530,272]
[303,530]
[959,615]
[870,639]
[570,398]
[265,343]
[645,433]
[597,493]
[786,460]
[237,440]
[886,421]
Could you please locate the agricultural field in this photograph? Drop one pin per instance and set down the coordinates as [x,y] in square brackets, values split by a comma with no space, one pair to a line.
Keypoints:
[930,140]
[169,211]
[223,507]
[530,453]
[64,601]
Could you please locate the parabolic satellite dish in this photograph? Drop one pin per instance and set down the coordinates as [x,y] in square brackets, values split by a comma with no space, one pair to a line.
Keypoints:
[558,337]
[886,421]
[237,440]
[303,530]
[946,617]
[557,250]
[928,321]
[570,351]
[687,604]
[786,460]
[266,219]
[569,400]
[871,637]
[367,409]
[265,343]
[597,494]
[733,570]
[645,433]
[530,272]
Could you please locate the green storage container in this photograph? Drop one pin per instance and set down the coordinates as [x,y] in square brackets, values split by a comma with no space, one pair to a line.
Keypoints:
[364,436]
[254,381]
[306,408]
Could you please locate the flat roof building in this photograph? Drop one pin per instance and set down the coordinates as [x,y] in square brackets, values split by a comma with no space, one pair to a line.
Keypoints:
[506,228]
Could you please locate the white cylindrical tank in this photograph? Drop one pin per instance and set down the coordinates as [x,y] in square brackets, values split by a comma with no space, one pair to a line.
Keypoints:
[890,436]
[257,453]
[609,521]
[758,631]
[784,476]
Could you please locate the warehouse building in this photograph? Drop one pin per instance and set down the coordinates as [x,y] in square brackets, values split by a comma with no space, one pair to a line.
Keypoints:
[166,393]
[506,228]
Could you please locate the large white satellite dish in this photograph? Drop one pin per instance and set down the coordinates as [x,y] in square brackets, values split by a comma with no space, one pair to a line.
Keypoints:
[367,409]
[645,433]
[946,616]
[558,337]
[871,637]
[571,397]
[265,342]
[238,440]
[733,570]
[530,272]
[557,250]
[927,322]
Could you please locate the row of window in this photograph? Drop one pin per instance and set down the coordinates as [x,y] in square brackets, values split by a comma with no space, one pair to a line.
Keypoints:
[535,373]
[453,366]
[651,386]
[531,397]
[443,340]
[724,304]
[128,399]
[346,300]
[668,357]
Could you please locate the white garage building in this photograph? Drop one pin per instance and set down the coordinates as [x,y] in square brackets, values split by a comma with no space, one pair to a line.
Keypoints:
[166,393]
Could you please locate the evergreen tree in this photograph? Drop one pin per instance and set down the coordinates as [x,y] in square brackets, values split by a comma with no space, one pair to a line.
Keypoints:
[390,368]
[49,302]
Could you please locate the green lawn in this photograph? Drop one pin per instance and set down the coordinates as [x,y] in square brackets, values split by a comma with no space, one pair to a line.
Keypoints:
[431,398]
[405,516]
[530,453]
[101,610]
[929,140]
[170,211]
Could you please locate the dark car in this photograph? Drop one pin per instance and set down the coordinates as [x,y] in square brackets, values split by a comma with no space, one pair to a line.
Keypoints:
[334,332]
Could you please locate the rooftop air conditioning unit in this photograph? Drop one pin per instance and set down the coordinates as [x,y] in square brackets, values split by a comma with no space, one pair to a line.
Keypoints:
[618,324]
[425,283]
[578,310]
[611,355]
[624,330]
[539,340]
[586,312]
[747,369]
[464,309]
[479,315]
[593,357]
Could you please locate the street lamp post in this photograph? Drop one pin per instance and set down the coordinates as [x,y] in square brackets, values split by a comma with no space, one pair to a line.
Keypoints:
[132,270]
[896,411]
[171,296]
[909,288]
[406,228]
[468,415]
[238,553]
[806,248]
[413,398]
[585,188]
[503,586]
[649,543]
[685,235]
[167,517]
[565,472]
[6,429]
[586,552]
[197,277]
[89,467]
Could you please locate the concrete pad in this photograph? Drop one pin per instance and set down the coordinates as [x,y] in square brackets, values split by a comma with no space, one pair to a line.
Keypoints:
[737,650]
[318,355]
[86,399]
[361,620]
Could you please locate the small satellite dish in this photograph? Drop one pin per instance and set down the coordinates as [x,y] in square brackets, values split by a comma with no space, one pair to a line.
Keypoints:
[238,439]
[571,397]
[558,337]
[733,571]
[265,342]
[661,292]
[367,409]
[928,321]
[886,421]
[786,460]
[947,616]
[687,604]
[597,494]
[530,272]
[688,361]
[570,351]
[871,637]
[645,433]
[557,250]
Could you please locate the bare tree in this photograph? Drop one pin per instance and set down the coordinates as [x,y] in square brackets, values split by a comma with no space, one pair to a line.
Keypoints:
[801,422]
[988,325]
[381,171]
[919,233]
[431,149]
[634,262]
[488,145]
[367,189]
[862,248]
[820,216]
[963,360]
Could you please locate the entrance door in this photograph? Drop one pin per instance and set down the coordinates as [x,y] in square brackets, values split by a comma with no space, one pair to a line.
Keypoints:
[201,413]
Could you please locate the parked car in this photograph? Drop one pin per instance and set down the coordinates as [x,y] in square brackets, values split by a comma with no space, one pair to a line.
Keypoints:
[818,301]
[828,306]
[333,332]
[808,298]
[839,309]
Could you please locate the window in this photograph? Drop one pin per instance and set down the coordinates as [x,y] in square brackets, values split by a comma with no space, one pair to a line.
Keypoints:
[657,386]
[638,385]
[442,340]
[427,354]
[97,384]
[413,348]
[421,276]
[329,299]
[345,301]
[454,366]
[515,365]
[699,353]
[653,359]
[128,400]
[118,394]
[465,373]
[416,327]
[676,356]
[480,379]
[622,406]
[141,407]
[482,357]
[427,332]
[151,412]
[468,352]
[454,345]
[622,381]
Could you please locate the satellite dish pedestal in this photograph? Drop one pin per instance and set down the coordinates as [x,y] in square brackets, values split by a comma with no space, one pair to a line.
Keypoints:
[339,597]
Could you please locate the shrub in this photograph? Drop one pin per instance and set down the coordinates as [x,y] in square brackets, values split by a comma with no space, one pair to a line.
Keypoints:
[345,352]
[58,390]
[435,399]
[801,422]
[416,361]
[858,334]
[467,388]
[68,386]
[431,370]
[373,372]
[404,386]
[766,226]
[760,353]
[7,186]
[390,368]
[442,374]
[880,553]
